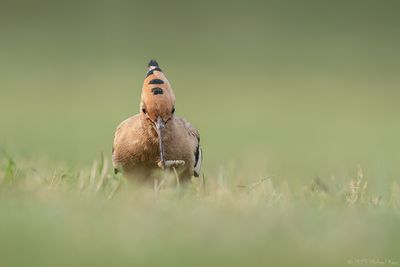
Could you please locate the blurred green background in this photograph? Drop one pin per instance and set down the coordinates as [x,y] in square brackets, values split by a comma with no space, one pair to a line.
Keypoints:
[289,88]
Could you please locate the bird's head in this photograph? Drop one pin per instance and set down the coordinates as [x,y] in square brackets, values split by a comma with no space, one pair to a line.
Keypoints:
[157,100]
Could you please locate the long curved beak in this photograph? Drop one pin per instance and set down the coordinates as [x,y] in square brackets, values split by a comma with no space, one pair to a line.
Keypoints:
[159,128]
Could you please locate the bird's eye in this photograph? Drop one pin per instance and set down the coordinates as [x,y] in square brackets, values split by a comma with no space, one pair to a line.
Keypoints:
[144,110]
[173,110]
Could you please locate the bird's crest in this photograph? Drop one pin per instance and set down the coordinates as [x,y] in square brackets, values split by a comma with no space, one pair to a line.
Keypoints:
[158,98]
[153,63]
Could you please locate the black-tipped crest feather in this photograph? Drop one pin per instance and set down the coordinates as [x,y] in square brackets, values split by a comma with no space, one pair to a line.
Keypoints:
[150,72]
[153,63]
[156,81]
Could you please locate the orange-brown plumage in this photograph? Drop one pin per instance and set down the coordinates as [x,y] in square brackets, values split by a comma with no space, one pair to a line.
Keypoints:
[137,150]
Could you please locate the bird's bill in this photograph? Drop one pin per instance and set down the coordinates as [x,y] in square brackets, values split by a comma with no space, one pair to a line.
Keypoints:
[159,128]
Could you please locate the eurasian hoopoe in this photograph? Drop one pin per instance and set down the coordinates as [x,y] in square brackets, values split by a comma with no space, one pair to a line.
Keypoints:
[155,138]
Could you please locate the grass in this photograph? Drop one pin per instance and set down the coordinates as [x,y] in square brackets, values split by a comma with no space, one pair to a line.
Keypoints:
[55,216]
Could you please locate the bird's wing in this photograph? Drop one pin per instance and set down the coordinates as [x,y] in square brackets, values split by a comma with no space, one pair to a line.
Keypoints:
[194,133]
[199,158]
[116,165]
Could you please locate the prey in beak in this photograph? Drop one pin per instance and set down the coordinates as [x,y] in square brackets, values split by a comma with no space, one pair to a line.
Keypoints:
[163,163]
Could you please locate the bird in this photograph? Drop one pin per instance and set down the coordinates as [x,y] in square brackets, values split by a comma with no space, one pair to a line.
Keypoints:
[156,139]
